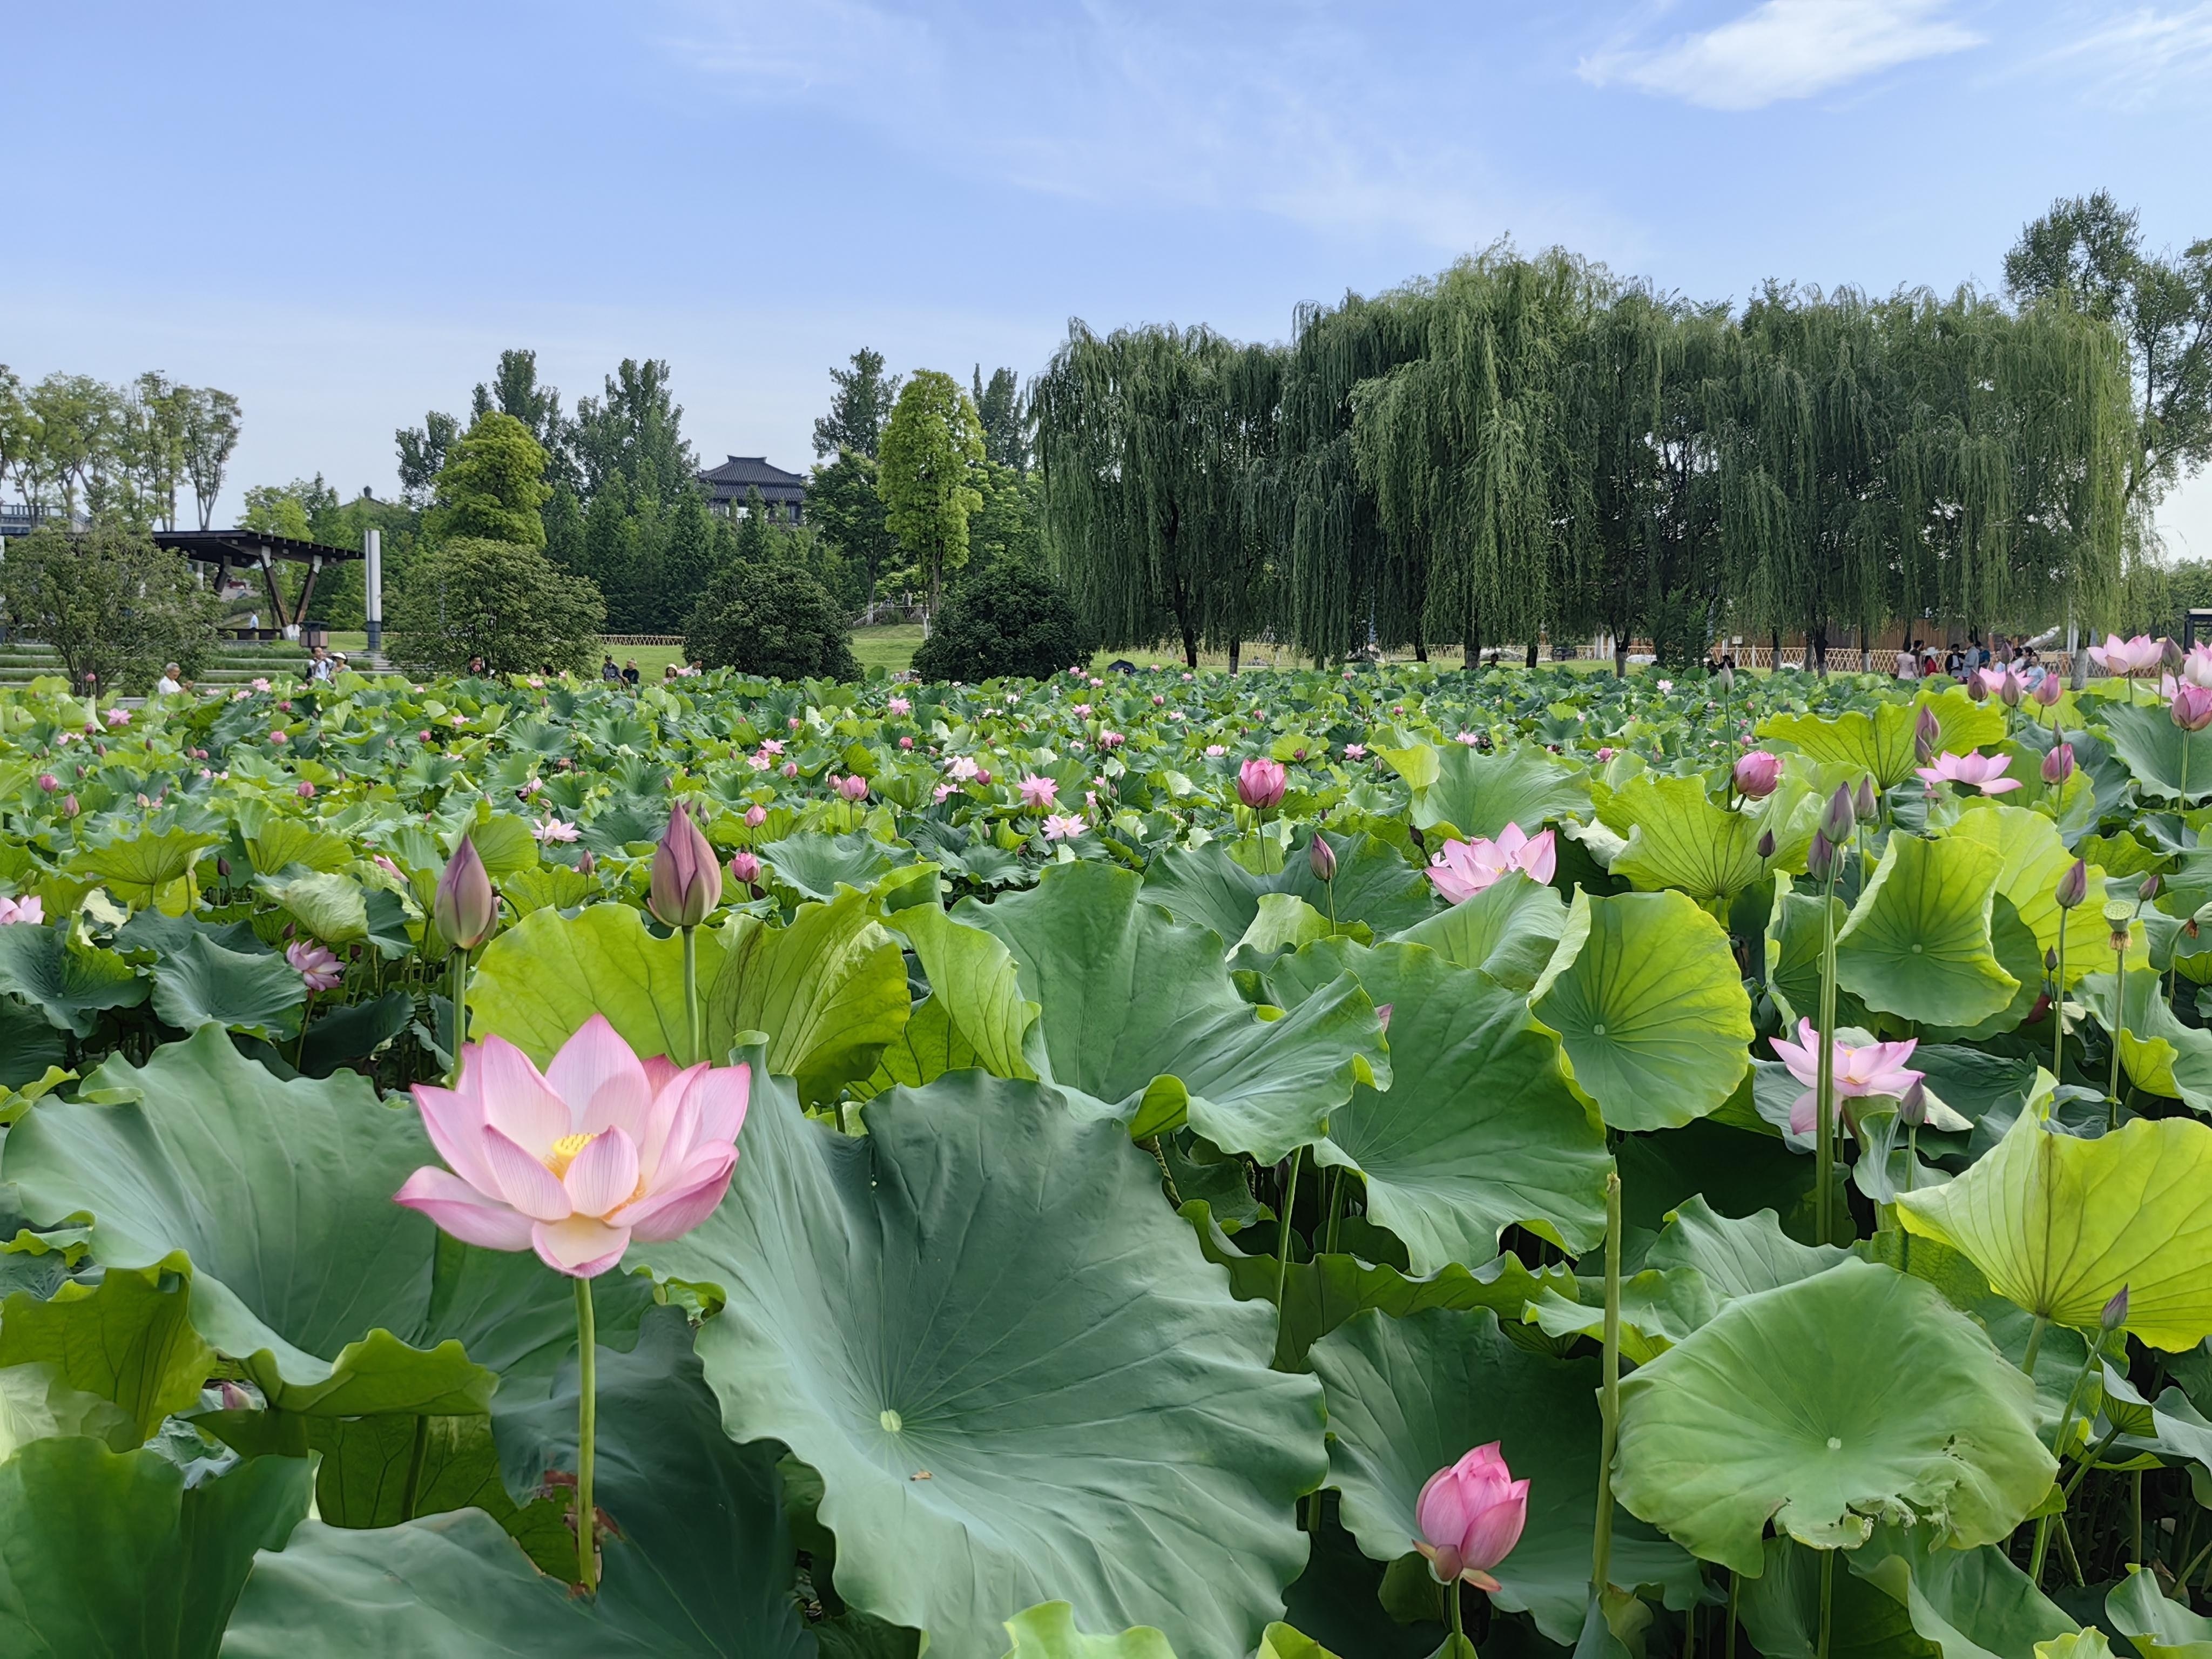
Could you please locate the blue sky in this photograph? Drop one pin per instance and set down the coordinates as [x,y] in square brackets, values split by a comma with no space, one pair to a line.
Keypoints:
[341,211]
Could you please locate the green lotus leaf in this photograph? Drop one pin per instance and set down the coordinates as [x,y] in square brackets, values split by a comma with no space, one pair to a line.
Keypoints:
[830,989]
[814,865]
[1509,930]
[103,1551]
[135,871]
[2156,1625]
[1658,1309]
[1644,994]
[304,1271]
[980,1326]
[1281,1642]
[1917,943]
[69,983]
[1881,743]
[1900,1596]
[1408,1396]
[1793,949]
[2160,1055]
[1283,922]
[2076,1644]
[537,982]
[1737,1255]
[1140,1014]
[2032,859]
[199,983]
[2058,1226]
[1678,838]
[2164,760]
[1206,885]
[1478,1131]
[127,1340]
[1854,1395]
[1478,794]
[1049,1632]
[975,985]
[36,1403]
[276,842]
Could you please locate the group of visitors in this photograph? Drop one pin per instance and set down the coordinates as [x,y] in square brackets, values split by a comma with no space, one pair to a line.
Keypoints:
[1918,660]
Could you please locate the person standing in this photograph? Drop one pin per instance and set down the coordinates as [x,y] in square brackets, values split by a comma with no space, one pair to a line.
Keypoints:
[630,674]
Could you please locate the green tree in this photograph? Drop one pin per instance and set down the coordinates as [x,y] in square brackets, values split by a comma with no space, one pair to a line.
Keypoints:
[930,450]
[843,502]
[1004,617]
[1005,421]
[213,421]
[635,430]
[161,414]
[423,451]
[492,485]
[1009,526]
[108,602]
[515,390]
[772,619]
[505,602]
[857,408]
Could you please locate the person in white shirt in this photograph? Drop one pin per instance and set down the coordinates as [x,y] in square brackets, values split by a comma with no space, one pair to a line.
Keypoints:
[169,685]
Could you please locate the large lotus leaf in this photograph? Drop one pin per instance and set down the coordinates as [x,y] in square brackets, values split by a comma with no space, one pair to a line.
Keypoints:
[1140,1012]
[37,1404]
[1900,1596]
[1793,949]
[975,985]
[1658,1309]
[998,1347]
[1854,1395]
[277,843]
[1678,838]
[2032,858]
[67,983]
[1408,1396]
[1737,1256]
[2166,760]
[1338,1604]
[1479,1130]
[538,981]
[280,1195]
[816,865]
[1478,794]
[1881,743]
[2156,1625]
[127,1340]
[1049,1632]
[1509,930]
[2060,1225]
[200,984]
[135,871]
[1918,942]
[1281,1642]
[829,990]
[1644,994]
[110,1553]
[2161,1056]
[1373,884]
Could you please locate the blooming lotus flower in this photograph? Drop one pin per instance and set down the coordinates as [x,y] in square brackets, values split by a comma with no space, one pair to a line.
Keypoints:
[2118,656]
[1757,774]
[1983,772]
[1355,751]
[31,911]
[1040,792]
[1471,1516]
[552,828]
[1465,868]
[118,717]
[316,964]
[2192,707]
[852,789]
[900,706]
[1879,1068]
[1260,783]
[745,868]
[577,1161]
[961,770]
[1109,739]
[1063,826]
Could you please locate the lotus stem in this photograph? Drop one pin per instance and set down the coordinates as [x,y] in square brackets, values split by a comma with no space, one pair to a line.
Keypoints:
[1824,1104]
[1458,1620]
[2034,1344]
[2058,1004]
[1827,1597]
[691,995]
[1283,1238]
[458,989]
[587,1424]
[416,1458]
[1609,1396]
[1735,1589]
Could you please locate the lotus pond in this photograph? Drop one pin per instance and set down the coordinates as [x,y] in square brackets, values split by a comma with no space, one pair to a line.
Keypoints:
[1322,1164]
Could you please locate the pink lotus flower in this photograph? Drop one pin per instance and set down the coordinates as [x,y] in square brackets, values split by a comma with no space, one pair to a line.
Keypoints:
[1215,751]
[1260,783]
[118,717]
[771,745]
[1040,792]
[577,1161]
[553,828]
[1983,772]
[31,911]
[49,782]
[306,790]
[1110,740]
[1465,868]
[316,964]
[2192,707]
[2118,656]
[1063,826]
[1471,1516]
[262,685]
[906,742]
[961,770]
[756,815]
[1757,774]
[853,789]
[1353,751]
[1879,1068]
[1083,711]
[791,768]
[900,706]
[2195,669]
[745,869]
[279,736]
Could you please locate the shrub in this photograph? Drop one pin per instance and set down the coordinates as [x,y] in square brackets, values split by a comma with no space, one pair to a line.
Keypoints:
[109,602]
[1005,618]
[771,619]
[506,603]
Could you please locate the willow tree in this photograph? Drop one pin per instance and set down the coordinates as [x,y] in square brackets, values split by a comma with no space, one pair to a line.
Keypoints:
[1153,444]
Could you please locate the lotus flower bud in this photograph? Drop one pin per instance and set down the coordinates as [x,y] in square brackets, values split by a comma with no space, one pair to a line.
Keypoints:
[2148,890]
[1320,858]
[465,908]
[1471,1516]
[2169,656]
[756,815]
[1260,783]
[586,864]
[2074,885]
[1765,844]
[1976,688]
[1927,735]
[1842,816]
[1913,1105]
[687,878]
[853,789]
[2116,1312]
[2050,960]
[223,868]
[2192,707]
[2058,764]
[2009,689]
[1757,774]
[745,869]
[2048,690]
[1727,679]
[1820,858]
[1863,805]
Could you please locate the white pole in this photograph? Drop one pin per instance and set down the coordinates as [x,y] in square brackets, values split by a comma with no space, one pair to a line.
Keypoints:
[372,547]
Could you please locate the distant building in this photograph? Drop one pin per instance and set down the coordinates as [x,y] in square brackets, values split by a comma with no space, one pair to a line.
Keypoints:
[728,485]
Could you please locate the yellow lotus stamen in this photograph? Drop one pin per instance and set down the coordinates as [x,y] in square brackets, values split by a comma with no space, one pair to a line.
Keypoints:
[564,1152]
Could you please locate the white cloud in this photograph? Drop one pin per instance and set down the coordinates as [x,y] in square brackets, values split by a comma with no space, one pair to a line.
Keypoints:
[1785,49]
[2138,54]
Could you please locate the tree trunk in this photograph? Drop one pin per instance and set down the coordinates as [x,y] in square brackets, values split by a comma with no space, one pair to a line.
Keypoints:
[1236,651]
[1818,640]
[1532,653]
[1190,648]
[1620,657]
[1774,661]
